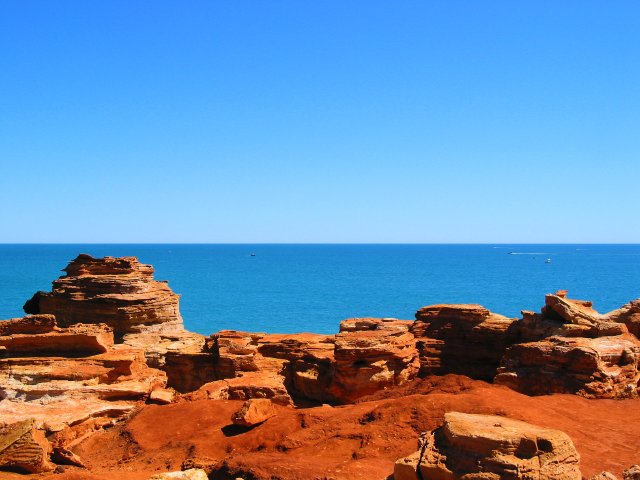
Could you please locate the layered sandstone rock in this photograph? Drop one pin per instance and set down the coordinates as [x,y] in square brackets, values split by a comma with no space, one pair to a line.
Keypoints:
[39,335]
[24,448]
[464,339]
[491,447]
[61,376]
[119,292]
[301,363]
[372,354]
[602,367]
[628,314]
[566,317]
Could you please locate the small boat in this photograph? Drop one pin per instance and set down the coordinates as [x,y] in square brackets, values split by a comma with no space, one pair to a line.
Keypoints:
[253,254]
[548,260]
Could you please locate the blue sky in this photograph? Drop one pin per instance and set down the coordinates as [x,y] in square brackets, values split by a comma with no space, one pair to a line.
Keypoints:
[228,121]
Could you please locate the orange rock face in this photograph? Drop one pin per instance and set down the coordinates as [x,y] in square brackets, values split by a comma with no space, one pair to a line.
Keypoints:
[119,292]
[62,376]
[464,339]
[254,412]
[603,367]
[372,354]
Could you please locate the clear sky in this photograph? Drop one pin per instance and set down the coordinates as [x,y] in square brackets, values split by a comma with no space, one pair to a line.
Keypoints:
[326,121]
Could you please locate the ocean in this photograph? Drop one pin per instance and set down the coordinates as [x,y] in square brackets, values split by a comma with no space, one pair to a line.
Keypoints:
[311,288]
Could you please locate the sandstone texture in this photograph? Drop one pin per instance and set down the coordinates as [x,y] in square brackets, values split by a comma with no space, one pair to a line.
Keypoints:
[254,412]
[190,474]
[372,354]
[62,376]
[603,367]
[464,339]
[491,447]
[24,448]
[119,292]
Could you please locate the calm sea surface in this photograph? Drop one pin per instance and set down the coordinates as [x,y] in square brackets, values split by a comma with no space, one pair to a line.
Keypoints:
[293,288]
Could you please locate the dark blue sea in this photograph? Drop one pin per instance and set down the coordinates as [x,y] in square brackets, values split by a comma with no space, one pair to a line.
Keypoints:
[294,288]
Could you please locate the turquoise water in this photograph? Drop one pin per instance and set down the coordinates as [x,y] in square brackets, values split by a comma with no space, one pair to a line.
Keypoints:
[293,288]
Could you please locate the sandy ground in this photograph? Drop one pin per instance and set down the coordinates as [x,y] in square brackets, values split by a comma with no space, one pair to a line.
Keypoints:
[360,441]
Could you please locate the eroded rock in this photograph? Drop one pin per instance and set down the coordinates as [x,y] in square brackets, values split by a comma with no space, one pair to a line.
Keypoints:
[23,447]
[603,367]
[491,447]
[463,339]
[119,292]
[372,354]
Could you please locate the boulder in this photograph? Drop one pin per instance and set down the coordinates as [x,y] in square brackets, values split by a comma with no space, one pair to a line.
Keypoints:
[602,367]
[490,447]
[253,412]
[24,448]
[372,354]
[462,339]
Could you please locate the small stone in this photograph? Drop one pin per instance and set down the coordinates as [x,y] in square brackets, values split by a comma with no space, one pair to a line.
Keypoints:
[161,396]
[254,412]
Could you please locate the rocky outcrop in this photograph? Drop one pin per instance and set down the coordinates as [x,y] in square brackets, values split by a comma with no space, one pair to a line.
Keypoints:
[301,363]
[628,314]
[254,412]
[491,447]
[566,317]
[603,367]
[372,354]
[39,335]
[464,339]
[119,292]
[63,376]
[24,448]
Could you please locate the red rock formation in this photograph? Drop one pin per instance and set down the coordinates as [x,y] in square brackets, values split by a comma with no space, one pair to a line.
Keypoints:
[603,367]
[628,314]
[566,317]
[38,335]
[491,447]
[61,376]
[372,354]
[119,292]
[464,339]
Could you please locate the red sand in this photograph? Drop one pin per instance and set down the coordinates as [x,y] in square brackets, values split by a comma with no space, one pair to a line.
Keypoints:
[360,441]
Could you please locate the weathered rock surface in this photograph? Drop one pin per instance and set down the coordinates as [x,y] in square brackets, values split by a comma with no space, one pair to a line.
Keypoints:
[191,474]
[119,292]
[372,354]
[632,473]
[254,412]
[603,367]
[628,314]
[44,338]
[566,317]
[464,339]
[61,376]
[24,448]
[491,447]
